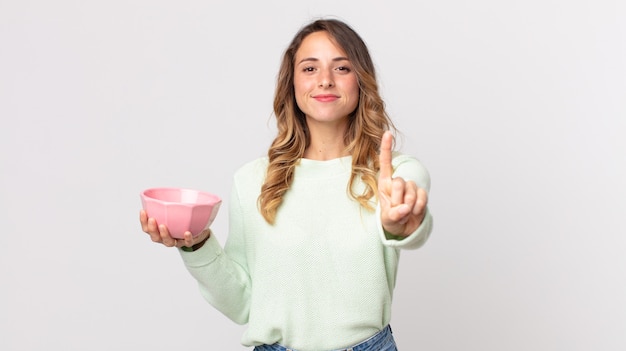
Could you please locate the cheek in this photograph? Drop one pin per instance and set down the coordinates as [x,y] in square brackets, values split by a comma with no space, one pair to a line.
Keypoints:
[297,88]
[354,92]
[301,88]
[300,85]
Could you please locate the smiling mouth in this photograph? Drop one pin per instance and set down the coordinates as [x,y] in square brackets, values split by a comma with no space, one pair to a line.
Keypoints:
[325,97]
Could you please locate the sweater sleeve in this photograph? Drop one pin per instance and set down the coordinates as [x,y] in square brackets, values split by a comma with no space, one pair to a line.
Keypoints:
[222,273]
[409,168]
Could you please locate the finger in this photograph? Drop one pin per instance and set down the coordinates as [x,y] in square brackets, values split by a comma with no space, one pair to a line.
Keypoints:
[398,214]
[166,238]
[397,191]
[420,202]
[188,238]
[386,143]
[143,219]
[153,230]
[410,194]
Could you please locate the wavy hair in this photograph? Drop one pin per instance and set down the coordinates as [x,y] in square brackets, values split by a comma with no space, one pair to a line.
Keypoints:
[366,124]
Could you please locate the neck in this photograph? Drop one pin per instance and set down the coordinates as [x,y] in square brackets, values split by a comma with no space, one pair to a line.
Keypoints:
[327,143]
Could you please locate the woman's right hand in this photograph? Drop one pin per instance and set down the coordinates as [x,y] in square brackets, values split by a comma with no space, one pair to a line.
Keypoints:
[160,234]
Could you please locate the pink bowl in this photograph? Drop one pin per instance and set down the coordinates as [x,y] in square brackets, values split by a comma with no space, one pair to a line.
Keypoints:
[181,209]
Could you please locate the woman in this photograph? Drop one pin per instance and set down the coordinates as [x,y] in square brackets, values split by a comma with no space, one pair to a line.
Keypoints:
[316,227]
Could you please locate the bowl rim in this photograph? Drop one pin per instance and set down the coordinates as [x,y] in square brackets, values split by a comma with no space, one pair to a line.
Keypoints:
[217,198]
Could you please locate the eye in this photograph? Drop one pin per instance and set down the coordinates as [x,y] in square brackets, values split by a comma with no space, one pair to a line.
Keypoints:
[344,69]
[308,69]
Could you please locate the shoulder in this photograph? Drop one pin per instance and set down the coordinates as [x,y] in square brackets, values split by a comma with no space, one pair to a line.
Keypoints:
[252,171]
[399,158]
[410,168]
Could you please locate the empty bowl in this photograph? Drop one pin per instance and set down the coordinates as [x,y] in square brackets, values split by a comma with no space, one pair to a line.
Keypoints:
[181,209]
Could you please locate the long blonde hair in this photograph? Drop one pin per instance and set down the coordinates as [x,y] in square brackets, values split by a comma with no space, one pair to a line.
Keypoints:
[365,127]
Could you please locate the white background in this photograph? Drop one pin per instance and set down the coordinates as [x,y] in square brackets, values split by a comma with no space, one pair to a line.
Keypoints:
[517,108]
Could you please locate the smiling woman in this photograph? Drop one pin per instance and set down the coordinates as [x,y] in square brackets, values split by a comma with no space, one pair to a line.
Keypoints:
[324,214]
[326,89]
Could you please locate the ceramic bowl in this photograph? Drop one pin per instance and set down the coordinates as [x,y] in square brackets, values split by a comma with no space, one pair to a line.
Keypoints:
[181,209]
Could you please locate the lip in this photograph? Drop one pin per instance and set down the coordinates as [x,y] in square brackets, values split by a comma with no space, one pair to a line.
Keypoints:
[326,97]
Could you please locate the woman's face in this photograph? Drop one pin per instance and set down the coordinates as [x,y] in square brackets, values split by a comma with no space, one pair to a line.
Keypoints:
[325,84]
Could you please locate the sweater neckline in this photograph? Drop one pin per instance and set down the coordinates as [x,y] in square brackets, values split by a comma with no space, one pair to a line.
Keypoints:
[308,168]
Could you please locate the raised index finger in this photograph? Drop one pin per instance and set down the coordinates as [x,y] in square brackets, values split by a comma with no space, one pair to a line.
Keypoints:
[386,170]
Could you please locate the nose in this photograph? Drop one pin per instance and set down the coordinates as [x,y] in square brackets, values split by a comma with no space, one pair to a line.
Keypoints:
[326,84]
[326,80]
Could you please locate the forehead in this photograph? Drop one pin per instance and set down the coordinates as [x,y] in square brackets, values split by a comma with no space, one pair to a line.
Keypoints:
[319,44]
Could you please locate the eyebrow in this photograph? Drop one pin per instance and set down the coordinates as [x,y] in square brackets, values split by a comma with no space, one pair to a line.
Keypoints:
[313,59]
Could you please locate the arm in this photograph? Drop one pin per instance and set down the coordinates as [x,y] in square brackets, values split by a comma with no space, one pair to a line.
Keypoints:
[402,211]
[222,273]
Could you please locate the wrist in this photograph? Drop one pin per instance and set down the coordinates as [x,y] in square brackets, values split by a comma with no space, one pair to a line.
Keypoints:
[197,245]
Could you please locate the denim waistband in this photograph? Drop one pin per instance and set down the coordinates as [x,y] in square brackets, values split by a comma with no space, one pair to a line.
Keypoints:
[373,343]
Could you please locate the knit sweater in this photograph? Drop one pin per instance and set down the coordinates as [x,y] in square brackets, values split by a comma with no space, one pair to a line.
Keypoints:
[320,278]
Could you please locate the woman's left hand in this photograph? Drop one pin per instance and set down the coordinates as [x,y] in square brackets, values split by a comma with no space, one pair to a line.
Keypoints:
[402,202]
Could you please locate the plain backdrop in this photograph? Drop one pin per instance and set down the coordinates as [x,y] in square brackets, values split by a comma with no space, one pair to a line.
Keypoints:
[517,108]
